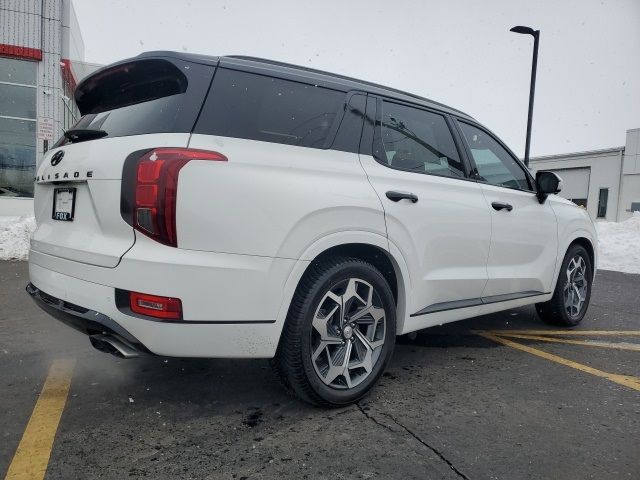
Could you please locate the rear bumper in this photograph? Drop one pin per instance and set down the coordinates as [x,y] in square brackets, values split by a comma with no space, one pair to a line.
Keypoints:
[85,300]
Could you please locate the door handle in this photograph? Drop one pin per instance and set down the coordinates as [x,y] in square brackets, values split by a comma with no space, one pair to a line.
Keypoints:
[397,196]
[501,206]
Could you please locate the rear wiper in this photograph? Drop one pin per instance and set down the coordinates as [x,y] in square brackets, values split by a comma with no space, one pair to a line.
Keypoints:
[80,135]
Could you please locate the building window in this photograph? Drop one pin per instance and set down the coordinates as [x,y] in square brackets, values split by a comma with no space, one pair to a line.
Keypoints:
[602,202]
[635,207]
[17,127]
[581,202]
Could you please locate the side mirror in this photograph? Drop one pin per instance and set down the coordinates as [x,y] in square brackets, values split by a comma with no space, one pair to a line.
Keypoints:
[547,183]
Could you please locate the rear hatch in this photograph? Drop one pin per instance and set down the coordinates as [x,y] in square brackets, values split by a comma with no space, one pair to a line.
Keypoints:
[131,106]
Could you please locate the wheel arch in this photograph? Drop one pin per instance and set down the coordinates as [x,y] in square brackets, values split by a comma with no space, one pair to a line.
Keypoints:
[384,262]
[588,246]
[370,247]
[583,238]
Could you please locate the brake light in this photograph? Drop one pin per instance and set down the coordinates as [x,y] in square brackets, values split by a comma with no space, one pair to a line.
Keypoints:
[166,308]
[156,190]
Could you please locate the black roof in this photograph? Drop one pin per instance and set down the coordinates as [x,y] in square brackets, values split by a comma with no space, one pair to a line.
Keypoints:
[296,72]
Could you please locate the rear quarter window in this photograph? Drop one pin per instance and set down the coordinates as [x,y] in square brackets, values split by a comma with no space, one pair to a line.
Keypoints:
[268,109]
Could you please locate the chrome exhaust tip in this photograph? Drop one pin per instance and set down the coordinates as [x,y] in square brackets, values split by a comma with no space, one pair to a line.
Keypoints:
[114,345]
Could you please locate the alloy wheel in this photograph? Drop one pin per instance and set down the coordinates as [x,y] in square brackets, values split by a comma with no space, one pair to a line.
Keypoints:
[348,333]
[575,288]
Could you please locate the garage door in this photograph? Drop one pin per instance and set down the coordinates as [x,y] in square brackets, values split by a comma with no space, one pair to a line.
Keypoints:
[575,182]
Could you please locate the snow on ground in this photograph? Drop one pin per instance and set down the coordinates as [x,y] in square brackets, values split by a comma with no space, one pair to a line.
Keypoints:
[620,245]
[619,242]
[14,237]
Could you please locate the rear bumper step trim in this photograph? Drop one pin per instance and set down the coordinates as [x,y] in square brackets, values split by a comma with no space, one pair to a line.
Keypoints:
[99,327]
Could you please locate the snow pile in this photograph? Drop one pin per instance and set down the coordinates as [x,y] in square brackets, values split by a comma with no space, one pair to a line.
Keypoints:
[620,245]
[14,237]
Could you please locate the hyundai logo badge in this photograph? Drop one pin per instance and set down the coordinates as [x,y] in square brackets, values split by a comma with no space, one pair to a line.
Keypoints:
[57,157]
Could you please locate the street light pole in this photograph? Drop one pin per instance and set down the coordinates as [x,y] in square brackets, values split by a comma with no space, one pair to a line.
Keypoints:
[532,86]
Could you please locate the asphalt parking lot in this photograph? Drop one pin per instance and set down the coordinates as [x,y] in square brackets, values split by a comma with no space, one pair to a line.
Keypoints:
[453,404]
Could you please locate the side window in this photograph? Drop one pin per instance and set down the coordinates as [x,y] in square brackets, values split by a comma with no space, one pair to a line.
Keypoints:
[258,107]
[495,165]
[416,140]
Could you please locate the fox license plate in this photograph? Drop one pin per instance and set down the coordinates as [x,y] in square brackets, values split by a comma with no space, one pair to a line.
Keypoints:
[64,204]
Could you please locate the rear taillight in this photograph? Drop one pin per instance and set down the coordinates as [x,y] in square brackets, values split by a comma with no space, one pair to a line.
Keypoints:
[150,205]
[166,308]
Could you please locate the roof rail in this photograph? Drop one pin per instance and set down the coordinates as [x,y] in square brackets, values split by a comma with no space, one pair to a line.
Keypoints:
[342,77]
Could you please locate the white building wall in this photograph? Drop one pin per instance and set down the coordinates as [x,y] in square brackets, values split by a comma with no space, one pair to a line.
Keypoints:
[72,42]
[49,75]
[605,171]
[631,174]
[20,23]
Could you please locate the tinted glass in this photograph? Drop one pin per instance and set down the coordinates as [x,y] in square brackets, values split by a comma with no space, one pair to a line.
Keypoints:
[258,107]
[155,116]
[17,101]
[18,71]
[348,136]
[17,157]
[495,165]
[418,141]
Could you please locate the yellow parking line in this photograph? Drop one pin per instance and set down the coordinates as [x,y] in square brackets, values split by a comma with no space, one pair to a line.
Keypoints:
[621,333]
[32,456]
[626,380]
[588,343]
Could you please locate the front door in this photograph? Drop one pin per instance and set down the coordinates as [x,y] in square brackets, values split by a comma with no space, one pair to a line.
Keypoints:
[524,239]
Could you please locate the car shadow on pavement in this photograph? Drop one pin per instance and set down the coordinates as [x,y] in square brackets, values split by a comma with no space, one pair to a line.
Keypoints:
[231,383]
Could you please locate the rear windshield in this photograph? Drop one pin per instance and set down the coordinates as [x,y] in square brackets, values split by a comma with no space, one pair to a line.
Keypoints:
[153,116]
[143,96]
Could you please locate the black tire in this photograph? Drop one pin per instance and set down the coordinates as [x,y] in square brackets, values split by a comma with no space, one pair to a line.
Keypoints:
[293,362]
[556,310]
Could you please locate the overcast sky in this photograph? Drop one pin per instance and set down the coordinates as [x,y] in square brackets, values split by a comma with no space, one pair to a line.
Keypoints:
[458,52]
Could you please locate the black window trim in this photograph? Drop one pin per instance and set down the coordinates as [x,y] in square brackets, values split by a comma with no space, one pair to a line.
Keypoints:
[474,167]
[337,124]
[376,134]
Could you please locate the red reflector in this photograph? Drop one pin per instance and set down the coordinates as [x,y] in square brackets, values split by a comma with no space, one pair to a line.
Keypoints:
[155,306]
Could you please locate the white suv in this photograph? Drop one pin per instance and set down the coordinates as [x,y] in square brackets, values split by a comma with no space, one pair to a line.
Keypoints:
[238,207]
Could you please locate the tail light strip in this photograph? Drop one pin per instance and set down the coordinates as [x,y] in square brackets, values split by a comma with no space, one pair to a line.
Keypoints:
[155,190]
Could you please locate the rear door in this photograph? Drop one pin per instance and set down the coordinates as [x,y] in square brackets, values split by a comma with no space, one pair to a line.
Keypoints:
[524,240]
[137,105]
[435,215]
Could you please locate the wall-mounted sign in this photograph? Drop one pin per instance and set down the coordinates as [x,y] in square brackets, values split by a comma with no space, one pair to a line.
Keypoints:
[45,128]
